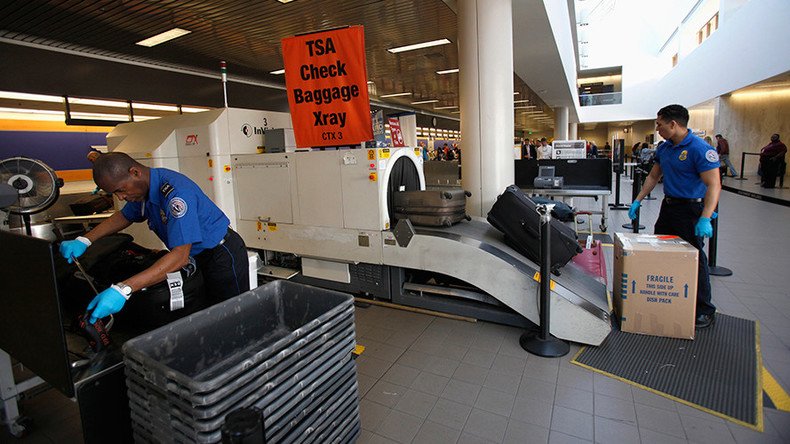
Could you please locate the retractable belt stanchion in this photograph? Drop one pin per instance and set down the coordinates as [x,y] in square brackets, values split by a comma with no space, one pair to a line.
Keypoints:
[618,172]
[743,167]
[714,269]
[636,187]
[539,341]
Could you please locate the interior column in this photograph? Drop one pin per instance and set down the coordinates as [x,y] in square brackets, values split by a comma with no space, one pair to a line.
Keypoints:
[561,123]
[573,131]
[485,53]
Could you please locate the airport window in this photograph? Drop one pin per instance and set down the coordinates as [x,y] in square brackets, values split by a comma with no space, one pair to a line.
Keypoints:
[708,28]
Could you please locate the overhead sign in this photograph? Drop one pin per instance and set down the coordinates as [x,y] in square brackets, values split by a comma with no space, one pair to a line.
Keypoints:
[395,133]
[326,79]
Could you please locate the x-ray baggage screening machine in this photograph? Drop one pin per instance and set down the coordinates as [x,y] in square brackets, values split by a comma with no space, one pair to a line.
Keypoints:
[330,213]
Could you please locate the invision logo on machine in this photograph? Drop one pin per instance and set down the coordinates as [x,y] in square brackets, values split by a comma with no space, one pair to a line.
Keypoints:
[191,140]
[248,130]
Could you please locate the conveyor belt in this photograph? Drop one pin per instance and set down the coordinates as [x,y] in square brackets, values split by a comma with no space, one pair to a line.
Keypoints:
[476,253]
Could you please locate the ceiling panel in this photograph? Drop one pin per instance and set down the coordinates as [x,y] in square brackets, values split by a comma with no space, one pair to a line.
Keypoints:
[247,35]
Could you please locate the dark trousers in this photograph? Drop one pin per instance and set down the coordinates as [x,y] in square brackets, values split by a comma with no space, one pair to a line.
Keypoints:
[225,268]
[679,219]
[770,169]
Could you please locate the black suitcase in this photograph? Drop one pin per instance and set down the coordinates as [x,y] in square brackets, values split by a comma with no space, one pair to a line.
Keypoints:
[432,208]
[515,214]
[148,308]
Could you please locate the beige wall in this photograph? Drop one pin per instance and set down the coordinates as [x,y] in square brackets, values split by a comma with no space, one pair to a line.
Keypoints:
[597,135]
[702,119]
[748,119]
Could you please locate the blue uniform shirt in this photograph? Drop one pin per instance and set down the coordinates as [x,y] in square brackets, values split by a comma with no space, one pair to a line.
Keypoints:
[179,212]
[682,165]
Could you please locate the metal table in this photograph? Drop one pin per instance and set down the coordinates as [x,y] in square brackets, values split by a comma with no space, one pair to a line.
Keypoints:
[579,191]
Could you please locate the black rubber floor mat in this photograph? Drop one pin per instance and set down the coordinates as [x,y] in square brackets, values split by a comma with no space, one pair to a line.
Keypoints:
[719,372]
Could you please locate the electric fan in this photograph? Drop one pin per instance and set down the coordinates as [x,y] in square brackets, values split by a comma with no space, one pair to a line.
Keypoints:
[36,185]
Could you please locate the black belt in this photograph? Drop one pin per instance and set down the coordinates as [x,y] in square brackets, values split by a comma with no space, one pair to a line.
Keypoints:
[222,242]
[230,230]
[681,200]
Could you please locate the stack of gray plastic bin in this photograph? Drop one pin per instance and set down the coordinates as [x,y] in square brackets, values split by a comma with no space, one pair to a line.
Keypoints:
[284,348]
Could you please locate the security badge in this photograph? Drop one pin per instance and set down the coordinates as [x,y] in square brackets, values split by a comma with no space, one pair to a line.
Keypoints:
[712,156]
[178,207]
[683,155]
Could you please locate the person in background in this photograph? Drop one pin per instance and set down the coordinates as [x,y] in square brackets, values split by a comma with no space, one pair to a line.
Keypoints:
[457,152]
[524,148]
[607,147]
[449,154]
[544,150]
[723,148]
[594,151]
[533,149]
[181,215]
[771,160]
[423,150]
[635,150]
[691,187]
[432,154]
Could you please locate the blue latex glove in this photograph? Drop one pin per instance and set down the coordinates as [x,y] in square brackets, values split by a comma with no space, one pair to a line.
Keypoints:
[74,248]
[632,211]
[109,301]
[703,227]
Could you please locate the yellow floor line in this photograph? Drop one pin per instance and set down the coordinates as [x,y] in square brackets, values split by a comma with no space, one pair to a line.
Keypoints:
[774,390]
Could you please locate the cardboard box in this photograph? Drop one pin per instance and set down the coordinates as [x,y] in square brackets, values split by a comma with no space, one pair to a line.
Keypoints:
[655,285]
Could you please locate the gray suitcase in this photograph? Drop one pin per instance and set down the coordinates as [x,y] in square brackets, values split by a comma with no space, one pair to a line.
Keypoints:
[432,208]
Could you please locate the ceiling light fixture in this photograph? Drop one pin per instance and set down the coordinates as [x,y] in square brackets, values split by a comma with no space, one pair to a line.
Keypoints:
[193,109]
[515,93]
[445,107]
[163,37]
[32,97]
[276,72]
[419,46]
[395,95]
[285,1]
[524,107]
[423,102]
[448,71]
[371,82]
[521,101]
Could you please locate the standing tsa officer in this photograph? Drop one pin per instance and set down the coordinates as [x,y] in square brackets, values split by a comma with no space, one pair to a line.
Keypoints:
[181,215]
[691,189]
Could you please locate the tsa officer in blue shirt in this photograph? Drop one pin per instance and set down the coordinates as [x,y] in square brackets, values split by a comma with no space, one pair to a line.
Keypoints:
[181,215]
[691,188]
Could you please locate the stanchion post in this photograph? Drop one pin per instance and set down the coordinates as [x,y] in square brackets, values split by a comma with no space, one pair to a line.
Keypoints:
[539,341]
[743,166]
[636,187]
[714,269]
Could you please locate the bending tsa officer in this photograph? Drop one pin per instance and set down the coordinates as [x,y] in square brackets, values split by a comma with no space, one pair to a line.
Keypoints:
[181,215]
[691,188]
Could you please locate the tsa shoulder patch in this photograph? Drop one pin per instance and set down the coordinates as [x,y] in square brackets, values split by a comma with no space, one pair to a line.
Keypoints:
[712,156]
[178,207]
[166,189]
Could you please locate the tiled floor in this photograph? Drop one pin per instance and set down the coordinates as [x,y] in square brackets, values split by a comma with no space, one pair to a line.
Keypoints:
[426,379]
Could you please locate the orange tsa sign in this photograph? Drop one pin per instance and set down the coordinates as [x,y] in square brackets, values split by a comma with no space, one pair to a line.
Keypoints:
[326,77]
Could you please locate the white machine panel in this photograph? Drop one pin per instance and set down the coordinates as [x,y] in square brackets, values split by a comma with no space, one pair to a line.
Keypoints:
[319,189]
[266,180]
[360,192]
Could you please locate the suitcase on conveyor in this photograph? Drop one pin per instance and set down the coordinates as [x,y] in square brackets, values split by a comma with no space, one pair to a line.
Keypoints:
[432,208]
[515,215]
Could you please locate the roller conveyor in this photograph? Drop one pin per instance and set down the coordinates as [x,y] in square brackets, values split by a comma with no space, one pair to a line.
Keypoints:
[476,253]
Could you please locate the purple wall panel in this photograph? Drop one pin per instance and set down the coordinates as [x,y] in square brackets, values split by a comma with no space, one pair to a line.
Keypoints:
[61,150]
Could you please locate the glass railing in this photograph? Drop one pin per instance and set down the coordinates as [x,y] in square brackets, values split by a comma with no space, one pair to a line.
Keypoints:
[613,98]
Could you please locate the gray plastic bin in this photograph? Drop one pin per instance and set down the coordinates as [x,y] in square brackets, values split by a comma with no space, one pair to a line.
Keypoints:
[209,349]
